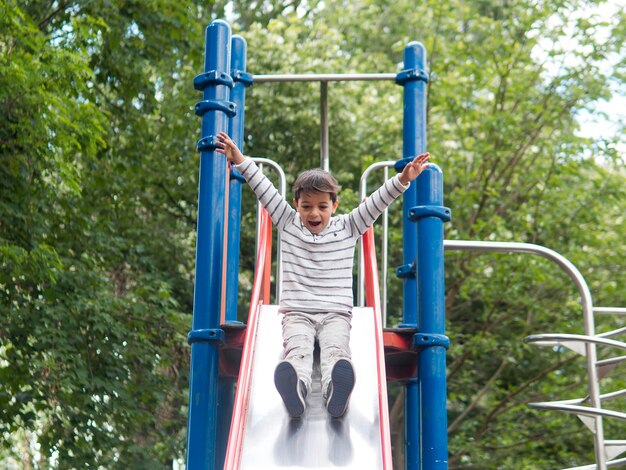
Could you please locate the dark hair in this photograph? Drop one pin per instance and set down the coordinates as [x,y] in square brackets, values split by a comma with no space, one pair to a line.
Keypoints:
[315,181]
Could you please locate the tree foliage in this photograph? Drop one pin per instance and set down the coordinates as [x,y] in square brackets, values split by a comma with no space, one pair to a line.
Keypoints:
[99,188]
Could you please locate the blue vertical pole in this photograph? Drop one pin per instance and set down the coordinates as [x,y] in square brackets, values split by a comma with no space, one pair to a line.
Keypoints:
[414,80]
[205,335]
[241,80]
[431,340]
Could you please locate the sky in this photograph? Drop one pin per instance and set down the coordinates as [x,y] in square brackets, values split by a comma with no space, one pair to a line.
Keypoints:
[596,125]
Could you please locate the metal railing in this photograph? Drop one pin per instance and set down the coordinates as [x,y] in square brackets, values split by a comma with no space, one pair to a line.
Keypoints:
[385,165]
[589,340]
[282,190]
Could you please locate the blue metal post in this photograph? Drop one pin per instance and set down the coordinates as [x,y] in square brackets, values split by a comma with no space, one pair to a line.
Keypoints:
[242,80]
[414,80]
[236,131]
[430,340]
[205,336]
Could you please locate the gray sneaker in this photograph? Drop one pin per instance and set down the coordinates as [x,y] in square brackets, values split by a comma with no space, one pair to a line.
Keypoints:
[340,388]
[291,390]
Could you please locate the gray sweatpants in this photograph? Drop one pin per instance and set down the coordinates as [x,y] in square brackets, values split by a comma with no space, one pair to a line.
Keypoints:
[300,330]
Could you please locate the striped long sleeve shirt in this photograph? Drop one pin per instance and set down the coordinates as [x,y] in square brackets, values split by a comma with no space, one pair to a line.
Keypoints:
[317,268]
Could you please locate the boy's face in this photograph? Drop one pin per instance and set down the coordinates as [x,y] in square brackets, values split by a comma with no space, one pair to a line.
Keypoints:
[315,210]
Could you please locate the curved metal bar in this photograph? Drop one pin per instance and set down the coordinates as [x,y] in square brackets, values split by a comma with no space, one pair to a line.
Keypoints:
[578,401]
[361,277]
[610,310]
[587,306]
[581,338]
[325,77]
[608,334]
[282,190]
[578,410]
[616,394]
[616,463]
[615,442]
[609,464]
[611,361]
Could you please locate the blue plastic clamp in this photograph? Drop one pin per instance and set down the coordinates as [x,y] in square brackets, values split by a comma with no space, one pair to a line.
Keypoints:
[207,144]
[235,175]
[208,335]
[204,106]
[212,77]
[428,340]
[410,75]
[244,77]
[406,271]
[419,212]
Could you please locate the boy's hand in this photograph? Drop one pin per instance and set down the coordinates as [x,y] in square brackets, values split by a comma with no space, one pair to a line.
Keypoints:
[229,148]
[413,169]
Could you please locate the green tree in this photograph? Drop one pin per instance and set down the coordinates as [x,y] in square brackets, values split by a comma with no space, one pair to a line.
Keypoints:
[97,204]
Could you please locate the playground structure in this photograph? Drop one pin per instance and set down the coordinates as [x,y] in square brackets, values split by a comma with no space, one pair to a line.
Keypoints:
[414,353]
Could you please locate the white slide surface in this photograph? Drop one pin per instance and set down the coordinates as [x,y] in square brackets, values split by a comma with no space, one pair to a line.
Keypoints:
[269,438]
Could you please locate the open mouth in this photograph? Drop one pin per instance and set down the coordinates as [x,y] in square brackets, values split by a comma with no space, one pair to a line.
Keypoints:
[315,224]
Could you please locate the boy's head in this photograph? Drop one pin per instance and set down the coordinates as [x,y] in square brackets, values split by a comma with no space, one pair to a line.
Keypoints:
[315,198]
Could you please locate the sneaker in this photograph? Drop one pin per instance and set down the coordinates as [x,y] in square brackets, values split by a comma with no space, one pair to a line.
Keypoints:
[340,388]
[291,390]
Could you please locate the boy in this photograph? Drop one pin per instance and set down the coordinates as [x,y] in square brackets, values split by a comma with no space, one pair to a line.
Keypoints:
[317,255]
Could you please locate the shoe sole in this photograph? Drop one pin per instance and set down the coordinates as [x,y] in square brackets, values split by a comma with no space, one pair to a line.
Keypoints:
[342,378]
[286,381]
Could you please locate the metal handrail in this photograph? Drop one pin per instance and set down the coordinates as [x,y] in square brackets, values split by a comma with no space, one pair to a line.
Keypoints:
[609,464]
[616,332]
[549,339]
[578,410]
[324,77]
[282,190]
[611,361]
[385,245]
[578,401]
[587,307]
[610,310]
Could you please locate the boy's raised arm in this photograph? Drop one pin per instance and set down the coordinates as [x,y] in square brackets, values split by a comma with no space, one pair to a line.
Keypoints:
[278,208]
[364,215]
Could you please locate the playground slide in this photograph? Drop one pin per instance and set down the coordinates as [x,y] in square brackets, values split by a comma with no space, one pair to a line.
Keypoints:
[262,434]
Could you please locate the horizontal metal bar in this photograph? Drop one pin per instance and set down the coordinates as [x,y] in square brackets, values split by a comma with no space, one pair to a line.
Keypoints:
[611,333]
[616,463]
[578,410]
[328,77]
[578,401]
[549,338]
[609,464]
[610,310]
[611,361]
[616,394]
